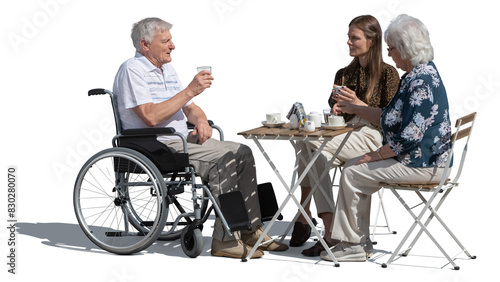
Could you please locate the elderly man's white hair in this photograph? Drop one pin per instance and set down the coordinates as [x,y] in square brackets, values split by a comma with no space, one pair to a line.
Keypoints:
[146,29]
[411,38]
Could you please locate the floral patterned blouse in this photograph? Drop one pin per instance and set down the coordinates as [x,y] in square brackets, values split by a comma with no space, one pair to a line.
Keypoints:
[416,123]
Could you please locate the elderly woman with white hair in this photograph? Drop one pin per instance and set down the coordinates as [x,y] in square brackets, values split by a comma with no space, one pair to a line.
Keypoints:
[416,136]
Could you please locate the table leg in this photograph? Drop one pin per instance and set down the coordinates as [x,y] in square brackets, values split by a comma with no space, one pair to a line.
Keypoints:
[291,189]
[316,179]
[290,196]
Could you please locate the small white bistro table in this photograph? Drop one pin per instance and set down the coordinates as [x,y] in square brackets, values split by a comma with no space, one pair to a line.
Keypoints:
[294,136]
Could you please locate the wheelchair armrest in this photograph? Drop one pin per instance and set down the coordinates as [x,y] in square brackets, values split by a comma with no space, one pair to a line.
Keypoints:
[191,126]
[148,131]
[212,124]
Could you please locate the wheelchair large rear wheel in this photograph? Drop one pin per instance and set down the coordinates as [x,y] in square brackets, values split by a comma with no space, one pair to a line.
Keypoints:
[116,190]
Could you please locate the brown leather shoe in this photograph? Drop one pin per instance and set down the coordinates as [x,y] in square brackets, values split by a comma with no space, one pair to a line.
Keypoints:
[233,249]
[251,239]
[301,232]
[316,250]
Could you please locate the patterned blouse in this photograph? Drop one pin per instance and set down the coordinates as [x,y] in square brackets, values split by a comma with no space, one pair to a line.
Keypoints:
[416,123]
[356,78]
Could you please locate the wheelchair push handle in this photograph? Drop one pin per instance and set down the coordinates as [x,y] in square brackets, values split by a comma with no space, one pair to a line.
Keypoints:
[97,91]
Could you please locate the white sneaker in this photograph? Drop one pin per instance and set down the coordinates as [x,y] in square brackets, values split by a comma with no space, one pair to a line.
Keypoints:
[346,252]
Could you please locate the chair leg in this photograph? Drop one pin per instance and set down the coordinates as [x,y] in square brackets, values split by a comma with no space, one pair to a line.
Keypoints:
[431,216]
[339,169]
[375,225]
[398,248]
[422,226]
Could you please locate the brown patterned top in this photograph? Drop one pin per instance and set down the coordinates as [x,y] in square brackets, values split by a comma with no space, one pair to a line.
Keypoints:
[356,78]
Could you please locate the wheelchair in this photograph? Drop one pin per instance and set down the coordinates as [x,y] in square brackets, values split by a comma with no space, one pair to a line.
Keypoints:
[139,191]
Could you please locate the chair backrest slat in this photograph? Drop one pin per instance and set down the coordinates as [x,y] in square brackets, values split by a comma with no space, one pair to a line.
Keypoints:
[461,134]
[465,119]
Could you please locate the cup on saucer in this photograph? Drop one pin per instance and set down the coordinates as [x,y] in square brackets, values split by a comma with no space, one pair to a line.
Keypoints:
[273,118]
[336,120]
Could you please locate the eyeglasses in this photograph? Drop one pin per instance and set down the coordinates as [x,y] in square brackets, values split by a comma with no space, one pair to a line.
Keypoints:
[390,49]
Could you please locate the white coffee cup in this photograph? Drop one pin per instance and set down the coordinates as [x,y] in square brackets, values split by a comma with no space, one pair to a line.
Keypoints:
[273,118]
[335,120]
[208,68]
[316,117]
[310,126]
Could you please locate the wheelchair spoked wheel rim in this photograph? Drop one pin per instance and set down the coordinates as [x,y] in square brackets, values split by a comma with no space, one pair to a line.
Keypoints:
[116,191]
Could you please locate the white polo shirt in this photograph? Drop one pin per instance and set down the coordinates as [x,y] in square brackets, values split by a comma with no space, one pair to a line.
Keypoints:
[139,82]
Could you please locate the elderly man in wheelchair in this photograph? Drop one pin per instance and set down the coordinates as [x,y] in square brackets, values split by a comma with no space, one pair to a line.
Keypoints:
[147,94]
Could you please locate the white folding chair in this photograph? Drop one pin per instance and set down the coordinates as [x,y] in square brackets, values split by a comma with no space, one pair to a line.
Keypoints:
[444,188]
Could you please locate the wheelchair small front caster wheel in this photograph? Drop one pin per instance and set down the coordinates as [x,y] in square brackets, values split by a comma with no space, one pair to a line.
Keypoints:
[384,265]
[192,242]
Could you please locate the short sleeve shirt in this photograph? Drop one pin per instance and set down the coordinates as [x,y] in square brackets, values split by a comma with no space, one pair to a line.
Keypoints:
[139,82]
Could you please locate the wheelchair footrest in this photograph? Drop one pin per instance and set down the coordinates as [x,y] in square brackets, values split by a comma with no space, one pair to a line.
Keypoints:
[122,234]
[233,209]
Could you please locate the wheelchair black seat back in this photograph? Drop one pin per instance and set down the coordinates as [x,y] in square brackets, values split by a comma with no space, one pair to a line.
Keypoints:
[128,196]
[164,159]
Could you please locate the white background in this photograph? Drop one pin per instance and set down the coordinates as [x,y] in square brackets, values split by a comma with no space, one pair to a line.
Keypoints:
[265,56]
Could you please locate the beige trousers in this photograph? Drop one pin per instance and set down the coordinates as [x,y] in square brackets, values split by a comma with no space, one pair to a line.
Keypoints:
[226,166]
[351,221]
[362,140]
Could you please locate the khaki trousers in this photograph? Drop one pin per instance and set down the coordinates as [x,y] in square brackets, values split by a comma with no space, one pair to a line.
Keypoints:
[351,221]
[226,166]
[362,140]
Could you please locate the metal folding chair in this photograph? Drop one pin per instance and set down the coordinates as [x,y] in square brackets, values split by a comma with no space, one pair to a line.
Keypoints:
[443,188]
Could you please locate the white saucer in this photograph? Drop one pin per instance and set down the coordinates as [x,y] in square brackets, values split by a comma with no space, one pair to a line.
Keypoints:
[279,124]
[333,127]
